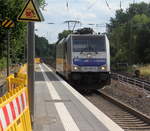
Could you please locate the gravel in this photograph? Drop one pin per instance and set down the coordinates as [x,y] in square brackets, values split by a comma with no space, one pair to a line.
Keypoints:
[131,95]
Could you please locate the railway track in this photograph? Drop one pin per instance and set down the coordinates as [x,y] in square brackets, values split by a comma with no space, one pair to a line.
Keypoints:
[134,81]
[128,118]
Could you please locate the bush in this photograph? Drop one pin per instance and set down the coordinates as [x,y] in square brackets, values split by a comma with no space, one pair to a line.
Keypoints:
[3,63]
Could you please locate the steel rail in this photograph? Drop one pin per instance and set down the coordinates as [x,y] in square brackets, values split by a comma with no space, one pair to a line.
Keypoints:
[128,116]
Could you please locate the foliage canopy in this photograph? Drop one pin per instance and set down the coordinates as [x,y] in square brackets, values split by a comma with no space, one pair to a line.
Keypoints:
[10,9]
[129,34]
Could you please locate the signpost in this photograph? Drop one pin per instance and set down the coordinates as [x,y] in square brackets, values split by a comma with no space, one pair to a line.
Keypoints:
[30,14]
[7,23]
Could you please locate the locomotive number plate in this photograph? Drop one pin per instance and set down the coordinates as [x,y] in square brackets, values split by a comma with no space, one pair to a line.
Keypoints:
[89,68]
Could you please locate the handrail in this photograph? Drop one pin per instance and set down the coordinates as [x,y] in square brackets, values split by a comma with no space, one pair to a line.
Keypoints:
[132,81]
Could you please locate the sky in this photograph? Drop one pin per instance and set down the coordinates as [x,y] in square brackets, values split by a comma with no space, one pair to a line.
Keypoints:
[91,13]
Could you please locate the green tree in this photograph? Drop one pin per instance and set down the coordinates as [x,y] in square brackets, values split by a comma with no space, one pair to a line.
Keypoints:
[64,34]
[41,46]
[129,34]
[11,9]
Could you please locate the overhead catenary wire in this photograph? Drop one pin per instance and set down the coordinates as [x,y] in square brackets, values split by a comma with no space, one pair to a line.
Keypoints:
[92,5]
[76,21]
[107,5]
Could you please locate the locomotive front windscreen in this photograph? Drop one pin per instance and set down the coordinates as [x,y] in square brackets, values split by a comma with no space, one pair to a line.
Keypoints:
[88,44]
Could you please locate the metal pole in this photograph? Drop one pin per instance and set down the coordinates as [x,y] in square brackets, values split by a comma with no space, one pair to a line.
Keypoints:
[68,26]
[30,61]
[8,51]
[25,46]
[74,26]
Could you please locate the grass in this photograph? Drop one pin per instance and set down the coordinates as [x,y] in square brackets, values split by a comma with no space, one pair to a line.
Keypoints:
[144,70]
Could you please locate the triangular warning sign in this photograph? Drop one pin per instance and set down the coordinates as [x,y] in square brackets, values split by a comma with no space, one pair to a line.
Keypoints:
[30,13]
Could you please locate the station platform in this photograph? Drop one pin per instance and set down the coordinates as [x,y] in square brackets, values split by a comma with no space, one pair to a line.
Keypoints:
[59,107]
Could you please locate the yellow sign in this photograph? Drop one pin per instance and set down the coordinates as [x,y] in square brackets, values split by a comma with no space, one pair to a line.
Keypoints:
[30,12]
[7,23]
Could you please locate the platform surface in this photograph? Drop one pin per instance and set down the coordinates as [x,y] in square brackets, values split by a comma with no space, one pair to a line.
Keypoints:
[58,107]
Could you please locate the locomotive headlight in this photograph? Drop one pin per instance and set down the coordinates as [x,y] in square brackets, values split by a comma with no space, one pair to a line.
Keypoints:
[89,55]
[75,68]
[103,68]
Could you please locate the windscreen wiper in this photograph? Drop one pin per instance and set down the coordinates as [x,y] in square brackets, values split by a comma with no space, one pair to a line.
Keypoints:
[92,49]
[84,50]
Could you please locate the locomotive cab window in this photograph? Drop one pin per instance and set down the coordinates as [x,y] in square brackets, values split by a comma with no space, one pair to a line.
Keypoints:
[89,44]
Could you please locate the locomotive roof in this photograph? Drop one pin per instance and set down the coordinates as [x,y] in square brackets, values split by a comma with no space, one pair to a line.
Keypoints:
[86,35]
[70,35]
